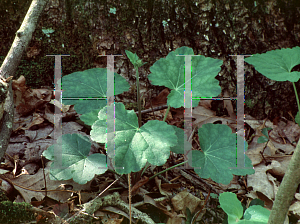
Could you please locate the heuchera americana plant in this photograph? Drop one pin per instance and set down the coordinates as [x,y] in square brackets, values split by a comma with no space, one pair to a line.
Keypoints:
[152,142]
[136,145]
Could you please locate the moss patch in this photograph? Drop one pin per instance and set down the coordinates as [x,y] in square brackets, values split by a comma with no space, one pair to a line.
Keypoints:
[12,212]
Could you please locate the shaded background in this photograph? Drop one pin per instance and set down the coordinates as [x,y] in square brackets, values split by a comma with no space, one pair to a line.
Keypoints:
[215,28]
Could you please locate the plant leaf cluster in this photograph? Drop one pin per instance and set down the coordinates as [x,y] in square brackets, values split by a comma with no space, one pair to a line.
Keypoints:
[254,214]
[153,141]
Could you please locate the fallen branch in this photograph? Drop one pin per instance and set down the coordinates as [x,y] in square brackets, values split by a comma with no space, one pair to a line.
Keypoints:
[110,200]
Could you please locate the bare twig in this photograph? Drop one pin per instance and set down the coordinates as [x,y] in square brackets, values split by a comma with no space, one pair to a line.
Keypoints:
[154,109]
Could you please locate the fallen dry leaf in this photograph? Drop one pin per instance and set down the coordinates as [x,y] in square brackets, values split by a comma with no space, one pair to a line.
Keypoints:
[27,100]
[36,183]
[160,100]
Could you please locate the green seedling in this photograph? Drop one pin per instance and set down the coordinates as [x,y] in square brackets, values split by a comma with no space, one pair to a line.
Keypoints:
[134,59]
[265,137]
[254,214]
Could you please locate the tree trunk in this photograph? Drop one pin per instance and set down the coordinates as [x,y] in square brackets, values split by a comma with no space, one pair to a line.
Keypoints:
[9,67]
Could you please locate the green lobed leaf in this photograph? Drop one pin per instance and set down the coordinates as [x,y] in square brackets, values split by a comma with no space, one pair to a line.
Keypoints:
[91,83]
[90,118]
[247,162]
[262,139]
[182,139]
[265,138]
[257,214]
[277,64]
[75,161]
[218,145]
[135,146]
[169,72]
[232,206]
[265,131]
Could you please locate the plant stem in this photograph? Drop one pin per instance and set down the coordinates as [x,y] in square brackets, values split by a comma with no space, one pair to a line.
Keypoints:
[138,96]
[297,98]
[168,169]
[146,166]
[166,114]
[289,184]
[287,189]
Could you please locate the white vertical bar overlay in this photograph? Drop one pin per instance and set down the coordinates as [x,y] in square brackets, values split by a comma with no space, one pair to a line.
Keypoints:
[57,113]
[240,151]
[110,110]
[188,106]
